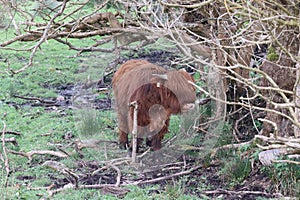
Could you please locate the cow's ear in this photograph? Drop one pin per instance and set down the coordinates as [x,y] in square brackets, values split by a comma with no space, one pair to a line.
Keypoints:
[161,76]
[159,79]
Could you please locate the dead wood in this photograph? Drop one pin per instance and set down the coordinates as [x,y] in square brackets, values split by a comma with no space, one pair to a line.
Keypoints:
[4,156]
[134,131]
[12,133]
[62,169]
[273,148]
[170,176]
[287,161]
[119,175]
[30,154]
[231,192]
[230,146]
[11,140]
[81,144]
[106,189]
[44,101]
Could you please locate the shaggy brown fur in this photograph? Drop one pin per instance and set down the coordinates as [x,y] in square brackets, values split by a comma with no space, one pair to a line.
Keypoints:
[157,99]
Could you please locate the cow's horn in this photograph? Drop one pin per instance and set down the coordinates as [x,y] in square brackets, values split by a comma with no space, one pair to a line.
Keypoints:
[161,76]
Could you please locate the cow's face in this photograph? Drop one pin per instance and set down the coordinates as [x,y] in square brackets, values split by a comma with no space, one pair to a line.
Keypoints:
[177,94]
[190,104]
[158,117]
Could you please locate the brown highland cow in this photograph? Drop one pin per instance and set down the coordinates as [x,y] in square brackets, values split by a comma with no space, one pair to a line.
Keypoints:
[158,93]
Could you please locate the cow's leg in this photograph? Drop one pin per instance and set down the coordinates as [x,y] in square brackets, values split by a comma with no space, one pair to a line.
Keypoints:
[123,130]
[148,142]
[124,144]
[123,139]
[139,142]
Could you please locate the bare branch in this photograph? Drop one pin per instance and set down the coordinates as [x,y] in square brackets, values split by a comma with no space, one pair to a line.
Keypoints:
[38,152]
[5,154]
[134,131]
[197,5]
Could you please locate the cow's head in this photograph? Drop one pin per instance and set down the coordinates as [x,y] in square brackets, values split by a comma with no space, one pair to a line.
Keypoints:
[177,94]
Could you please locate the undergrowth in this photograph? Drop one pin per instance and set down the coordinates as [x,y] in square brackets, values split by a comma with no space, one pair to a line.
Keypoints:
[58,128]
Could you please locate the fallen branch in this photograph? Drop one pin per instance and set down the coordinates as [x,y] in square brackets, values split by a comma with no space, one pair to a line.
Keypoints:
[230,192]
[38,152]
[111,165]
[12,140]
[35,99]
[107,188]
[80,144]
[12,133]
[119,175]
[170,176]
[62,169]
[286,161]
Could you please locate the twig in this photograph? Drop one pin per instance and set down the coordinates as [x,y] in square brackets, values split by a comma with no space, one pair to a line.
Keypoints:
[114,162]
[62,169]
[164,167]
[230,146]
[230,192]
[170,176]
[242,104]
[119,175]
[108,187]
[286,161]
[236,126]
[42,39]
[38,152]
[277,139]
[192,5]
[35,99]
[134,131]
[272,123]
[12,133]
[12,140]
[5,157]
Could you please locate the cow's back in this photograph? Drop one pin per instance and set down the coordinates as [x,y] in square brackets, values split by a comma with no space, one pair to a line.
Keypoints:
[131,76]
[126,67]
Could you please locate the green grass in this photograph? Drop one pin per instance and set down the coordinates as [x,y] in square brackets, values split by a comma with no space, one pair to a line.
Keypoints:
[41,129]
[46,129]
